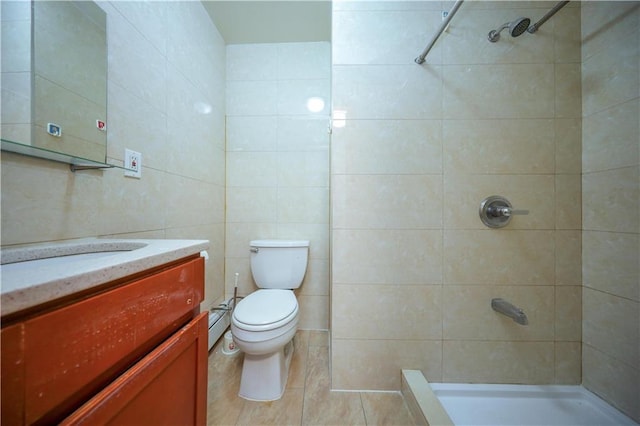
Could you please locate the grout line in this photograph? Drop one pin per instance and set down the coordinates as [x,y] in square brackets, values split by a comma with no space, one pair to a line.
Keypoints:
[304,382]
[364,412]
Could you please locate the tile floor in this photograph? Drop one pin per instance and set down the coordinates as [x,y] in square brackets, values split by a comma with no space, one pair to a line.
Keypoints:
[307,399]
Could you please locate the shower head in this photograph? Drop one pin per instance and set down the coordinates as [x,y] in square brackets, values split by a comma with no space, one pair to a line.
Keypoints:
[516,28]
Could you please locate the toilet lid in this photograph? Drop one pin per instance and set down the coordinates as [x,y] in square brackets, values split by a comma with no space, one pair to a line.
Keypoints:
[264,307]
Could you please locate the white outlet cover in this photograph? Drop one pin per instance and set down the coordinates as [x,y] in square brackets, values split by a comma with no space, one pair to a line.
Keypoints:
[132,164]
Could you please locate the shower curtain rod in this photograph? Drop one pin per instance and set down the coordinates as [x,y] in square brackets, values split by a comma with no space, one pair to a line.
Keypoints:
[533,28]
[454,9]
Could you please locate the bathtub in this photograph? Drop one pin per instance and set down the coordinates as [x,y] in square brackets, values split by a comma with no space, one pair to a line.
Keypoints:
[508,405]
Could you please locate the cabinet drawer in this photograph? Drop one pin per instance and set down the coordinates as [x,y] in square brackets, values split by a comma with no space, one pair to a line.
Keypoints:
[73,352]
[167,387]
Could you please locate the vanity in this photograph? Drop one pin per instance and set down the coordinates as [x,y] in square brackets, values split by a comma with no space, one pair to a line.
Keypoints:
[104,332]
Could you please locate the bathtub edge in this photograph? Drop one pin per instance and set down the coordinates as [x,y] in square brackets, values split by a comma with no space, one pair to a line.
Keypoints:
[422,402]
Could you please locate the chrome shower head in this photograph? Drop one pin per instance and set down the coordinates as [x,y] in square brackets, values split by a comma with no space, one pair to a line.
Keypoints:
[516,28]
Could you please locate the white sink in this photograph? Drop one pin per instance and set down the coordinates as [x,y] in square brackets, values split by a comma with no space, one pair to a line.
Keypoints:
[56,261]
[37,256]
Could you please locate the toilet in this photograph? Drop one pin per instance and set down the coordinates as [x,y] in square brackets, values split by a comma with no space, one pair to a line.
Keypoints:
[264,322]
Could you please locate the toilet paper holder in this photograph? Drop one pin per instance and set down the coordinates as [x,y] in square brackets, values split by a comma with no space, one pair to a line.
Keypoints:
[496,211]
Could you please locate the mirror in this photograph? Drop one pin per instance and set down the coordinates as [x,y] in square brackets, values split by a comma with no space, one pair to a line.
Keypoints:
[54,93]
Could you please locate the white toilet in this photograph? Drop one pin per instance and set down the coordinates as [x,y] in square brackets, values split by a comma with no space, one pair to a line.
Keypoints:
[263,323]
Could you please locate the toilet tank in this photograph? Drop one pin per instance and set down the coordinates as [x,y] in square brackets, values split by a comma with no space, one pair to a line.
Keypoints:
[279,263]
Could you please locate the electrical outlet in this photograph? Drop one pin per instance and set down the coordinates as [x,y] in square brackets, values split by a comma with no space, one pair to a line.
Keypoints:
[132,164]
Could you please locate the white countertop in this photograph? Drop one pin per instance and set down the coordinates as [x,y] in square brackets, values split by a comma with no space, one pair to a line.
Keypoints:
[32,282]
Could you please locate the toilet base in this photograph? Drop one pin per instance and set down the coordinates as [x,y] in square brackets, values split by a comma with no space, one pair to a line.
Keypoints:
[264,377]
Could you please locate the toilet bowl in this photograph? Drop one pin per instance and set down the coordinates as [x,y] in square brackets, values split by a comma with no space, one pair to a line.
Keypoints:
[264,323]
[263,337]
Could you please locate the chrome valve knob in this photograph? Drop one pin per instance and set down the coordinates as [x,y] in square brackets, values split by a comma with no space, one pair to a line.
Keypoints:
[496,211]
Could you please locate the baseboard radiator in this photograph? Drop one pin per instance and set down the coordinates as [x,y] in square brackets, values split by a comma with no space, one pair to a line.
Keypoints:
[219,321]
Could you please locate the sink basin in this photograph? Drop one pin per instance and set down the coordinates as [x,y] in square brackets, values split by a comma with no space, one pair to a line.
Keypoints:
[59,254]
[56,261]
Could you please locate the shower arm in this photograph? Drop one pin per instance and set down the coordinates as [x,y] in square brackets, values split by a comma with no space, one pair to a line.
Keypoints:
[503,27]
[533,28]
[420,59]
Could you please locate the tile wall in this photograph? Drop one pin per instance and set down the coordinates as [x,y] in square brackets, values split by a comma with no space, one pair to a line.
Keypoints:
[166,69]
[415,151]
[611,202]
[278,162]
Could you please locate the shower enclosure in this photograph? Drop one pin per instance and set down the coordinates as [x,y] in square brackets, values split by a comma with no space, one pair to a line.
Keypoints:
[548,120]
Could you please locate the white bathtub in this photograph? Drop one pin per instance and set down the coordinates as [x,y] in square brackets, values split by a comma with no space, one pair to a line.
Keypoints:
[508,405]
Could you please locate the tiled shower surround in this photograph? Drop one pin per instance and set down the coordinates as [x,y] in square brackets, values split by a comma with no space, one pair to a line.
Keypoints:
[610,184]
[413,268]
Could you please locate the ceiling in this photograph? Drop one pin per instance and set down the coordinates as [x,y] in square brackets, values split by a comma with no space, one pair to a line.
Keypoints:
[241,21]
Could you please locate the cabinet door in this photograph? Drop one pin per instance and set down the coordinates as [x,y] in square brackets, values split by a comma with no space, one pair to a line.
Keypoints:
[167,387]
[12,375]
[74,352]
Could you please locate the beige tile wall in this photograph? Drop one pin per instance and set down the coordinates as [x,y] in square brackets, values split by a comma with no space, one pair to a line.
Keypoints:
[611,242]
[413,268]
[278,162]
[166,100]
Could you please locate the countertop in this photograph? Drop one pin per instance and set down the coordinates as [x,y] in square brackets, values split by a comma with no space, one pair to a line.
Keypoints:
[28,284]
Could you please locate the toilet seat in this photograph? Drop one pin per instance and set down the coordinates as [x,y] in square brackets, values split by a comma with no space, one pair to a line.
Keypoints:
[265,310]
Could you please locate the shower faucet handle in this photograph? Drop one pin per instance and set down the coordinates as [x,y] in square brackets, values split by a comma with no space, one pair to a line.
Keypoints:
[506,211]
[518,212]
[496,211]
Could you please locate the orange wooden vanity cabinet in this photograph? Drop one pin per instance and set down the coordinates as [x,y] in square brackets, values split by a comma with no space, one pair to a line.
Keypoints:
[132,352]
